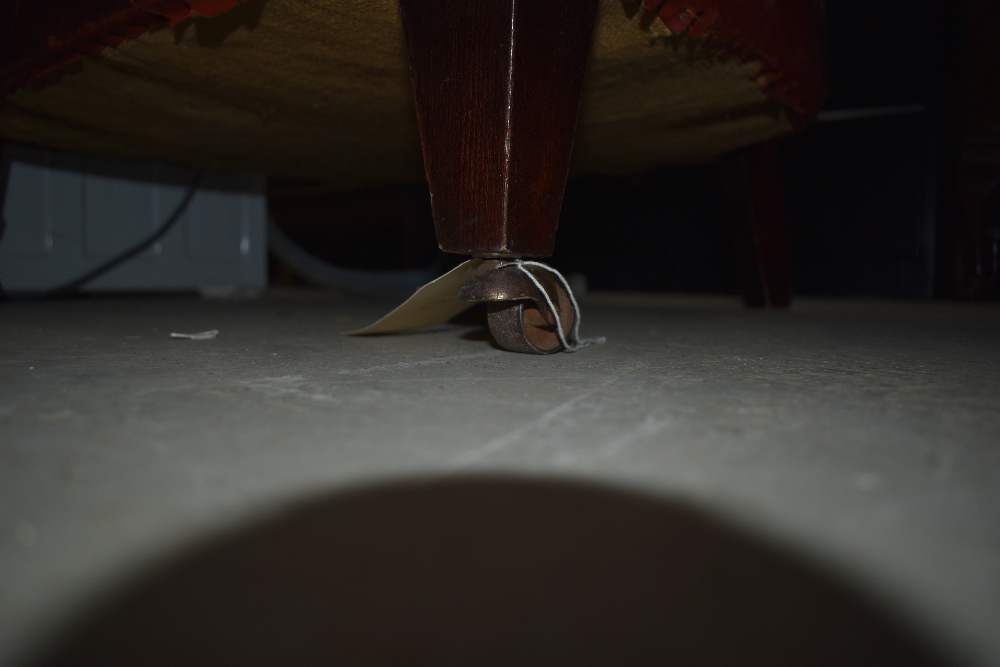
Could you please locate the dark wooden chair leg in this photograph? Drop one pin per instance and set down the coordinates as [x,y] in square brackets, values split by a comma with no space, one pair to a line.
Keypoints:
[752,181]
[497,86]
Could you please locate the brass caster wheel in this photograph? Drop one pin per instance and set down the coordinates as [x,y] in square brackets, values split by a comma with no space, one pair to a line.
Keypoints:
[519,315]
[519,326]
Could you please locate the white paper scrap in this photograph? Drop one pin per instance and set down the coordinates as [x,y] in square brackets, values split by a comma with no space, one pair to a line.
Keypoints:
[204,335]
[434,303]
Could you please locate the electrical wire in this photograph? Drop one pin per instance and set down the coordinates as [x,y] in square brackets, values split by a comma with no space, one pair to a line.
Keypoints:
[168,224]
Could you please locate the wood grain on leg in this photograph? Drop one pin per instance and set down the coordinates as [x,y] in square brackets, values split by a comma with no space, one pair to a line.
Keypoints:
[497,85]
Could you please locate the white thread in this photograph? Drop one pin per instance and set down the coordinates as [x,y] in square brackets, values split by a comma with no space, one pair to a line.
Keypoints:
[577,342]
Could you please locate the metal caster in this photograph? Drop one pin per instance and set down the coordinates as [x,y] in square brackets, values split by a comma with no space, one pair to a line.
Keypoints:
[520,318]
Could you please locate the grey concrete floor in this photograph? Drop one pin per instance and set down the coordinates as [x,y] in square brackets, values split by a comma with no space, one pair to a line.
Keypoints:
[864,435]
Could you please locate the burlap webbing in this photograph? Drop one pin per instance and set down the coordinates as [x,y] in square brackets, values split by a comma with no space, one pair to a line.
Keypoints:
[320,88]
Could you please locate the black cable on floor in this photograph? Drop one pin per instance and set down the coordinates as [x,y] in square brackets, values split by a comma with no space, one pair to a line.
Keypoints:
[75,284]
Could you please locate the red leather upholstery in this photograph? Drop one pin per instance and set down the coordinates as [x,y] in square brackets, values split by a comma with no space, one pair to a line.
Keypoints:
[41,35]
[788,38]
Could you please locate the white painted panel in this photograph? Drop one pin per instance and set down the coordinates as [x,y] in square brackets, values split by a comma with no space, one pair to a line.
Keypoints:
[215,226]
[118,213]
[95,209]
[66,210]
[27,211]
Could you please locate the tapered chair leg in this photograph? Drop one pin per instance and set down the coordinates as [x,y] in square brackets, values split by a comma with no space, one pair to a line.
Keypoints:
[752,182]
[497,85]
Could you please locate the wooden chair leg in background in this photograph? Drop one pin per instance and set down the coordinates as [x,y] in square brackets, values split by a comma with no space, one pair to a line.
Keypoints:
[497,87]
[752,182]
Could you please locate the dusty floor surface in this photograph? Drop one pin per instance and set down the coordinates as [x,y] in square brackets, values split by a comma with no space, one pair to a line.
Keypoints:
[862,435]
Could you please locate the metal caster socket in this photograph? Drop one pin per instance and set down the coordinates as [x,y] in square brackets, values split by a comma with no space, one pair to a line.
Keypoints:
[520,318]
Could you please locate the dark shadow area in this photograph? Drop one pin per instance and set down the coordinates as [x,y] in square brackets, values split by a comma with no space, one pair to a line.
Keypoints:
[214,31]
[663,230]
[856,200]
[474,316]
[490,571]
[380,228]
[477,317]
[480,335]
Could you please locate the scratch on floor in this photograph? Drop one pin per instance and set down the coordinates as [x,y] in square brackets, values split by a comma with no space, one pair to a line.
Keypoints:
[285,386]
[647,429]
[423,362]
[506,440]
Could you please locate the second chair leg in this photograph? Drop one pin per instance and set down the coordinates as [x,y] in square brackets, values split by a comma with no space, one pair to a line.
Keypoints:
[752,182]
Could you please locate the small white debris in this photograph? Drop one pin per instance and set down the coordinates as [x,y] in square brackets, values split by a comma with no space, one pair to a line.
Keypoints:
[204,335]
